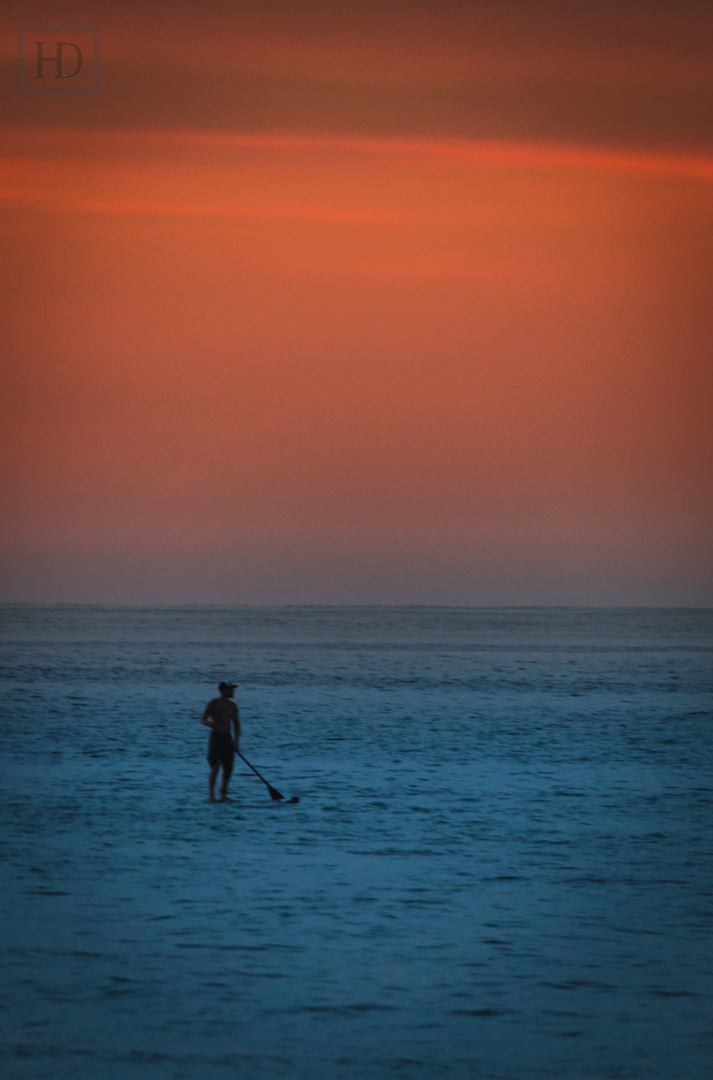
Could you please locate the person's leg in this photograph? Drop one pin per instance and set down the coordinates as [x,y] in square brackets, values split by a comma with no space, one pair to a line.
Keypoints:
[227,770]
[212,777]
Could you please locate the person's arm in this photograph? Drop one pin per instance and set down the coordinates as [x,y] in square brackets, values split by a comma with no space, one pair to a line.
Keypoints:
[236,725]
[205,718]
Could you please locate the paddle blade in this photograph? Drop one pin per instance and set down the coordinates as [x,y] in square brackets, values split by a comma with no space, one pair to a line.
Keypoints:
[274,793]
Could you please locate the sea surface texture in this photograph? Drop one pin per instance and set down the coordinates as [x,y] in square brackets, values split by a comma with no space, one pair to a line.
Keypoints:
[500,865]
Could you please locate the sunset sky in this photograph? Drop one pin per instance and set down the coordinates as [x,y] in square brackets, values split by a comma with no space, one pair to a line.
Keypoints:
[376,302]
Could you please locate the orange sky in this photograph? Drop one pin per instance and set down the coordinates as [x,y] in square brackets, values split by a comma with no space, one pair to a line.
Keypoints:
[397,303]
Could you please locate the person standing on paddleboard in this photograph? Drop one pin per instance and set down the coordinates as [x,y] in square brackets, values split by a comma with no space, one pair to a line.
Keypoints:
[220,715]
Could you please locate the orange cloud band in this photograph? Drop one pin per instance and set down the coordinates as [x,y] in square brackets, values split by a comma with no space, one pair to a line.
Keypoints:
[70,148]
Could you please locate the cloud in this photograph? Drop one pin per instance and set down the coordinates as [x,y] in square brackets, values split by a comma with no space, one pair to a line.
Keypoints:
[630,74]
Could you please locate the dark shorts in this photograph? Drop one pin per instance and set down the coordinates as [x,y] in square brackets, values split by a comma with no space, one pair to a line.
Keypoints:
[220,750]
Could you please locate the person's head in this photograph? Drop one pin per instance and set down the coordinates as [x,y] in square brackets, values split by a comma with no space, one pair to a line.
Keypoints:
[227,689]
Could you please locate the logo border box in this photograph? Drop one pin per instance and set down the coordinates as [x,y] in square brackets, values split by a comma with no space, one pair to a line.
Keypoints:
[57,92]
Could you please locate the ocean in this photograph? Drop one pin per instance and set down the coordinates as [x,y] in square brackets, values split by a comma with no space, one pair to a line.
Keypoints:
[500,865]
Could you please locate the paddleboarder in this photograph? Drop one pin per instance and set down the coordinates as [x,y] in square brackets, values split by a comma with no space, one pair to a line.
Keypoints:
[220,715]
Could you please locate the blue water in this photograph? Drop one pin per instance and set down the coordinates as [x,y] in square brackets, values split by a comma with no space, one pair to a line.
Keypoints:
[500,865]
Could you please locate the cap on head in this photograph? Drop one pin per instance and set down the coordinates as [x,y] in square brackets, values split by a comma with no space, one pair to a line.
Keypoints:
[224,687]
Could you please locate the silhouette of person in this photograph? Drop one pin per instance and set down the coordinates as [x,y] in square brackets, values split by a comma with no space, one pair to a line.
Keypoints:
[219,715]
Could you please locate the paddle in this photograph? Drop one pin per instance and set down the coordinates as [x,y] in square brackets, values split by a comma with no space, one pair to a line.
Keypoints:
[274,793]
